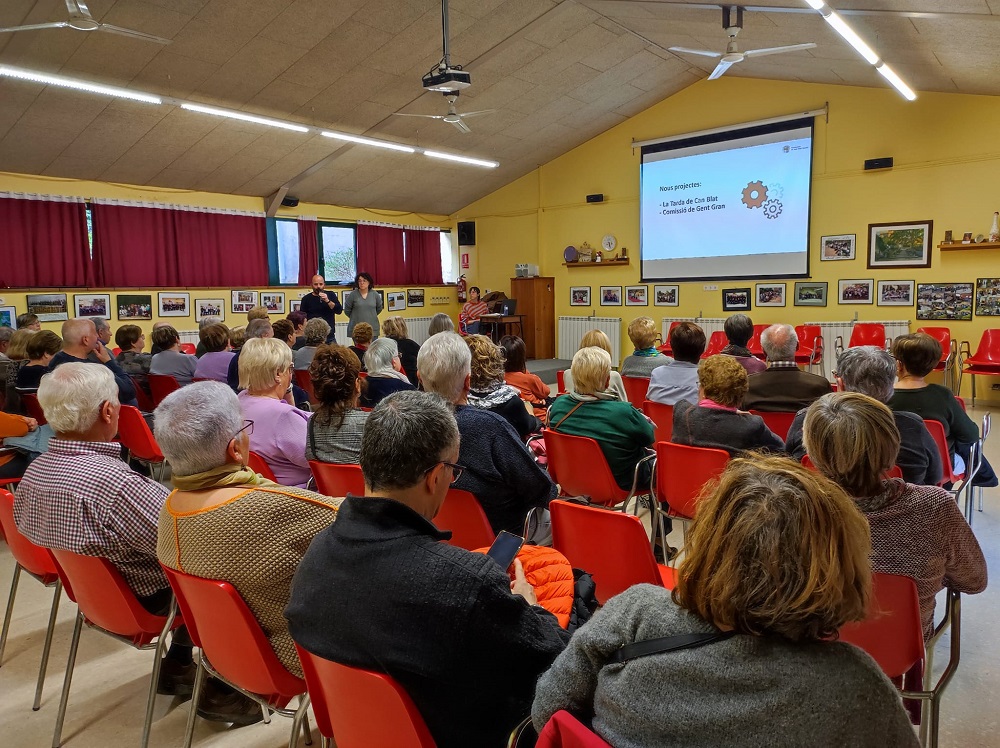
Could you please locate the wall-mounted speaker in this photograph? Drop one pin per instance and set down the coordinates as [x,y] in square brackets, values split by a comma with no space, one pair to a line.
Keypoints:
[598,198]
[878,163]
[289,202]
[466,233]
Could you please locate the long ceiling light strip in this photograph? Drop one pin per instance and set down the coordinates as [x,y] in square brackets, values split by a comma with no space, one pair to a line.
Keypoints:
[851,37]
[369,141]
[243,117]
[461,159]
[78,85]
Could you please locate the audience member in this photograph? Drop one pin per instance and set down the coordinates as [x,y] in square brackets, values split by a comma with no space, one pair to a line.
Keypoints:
[529,386]
[41,348]
[280,433]
[237,336]
[677,379]
[645,358]
[739,330]
[440,322]
[155,348]
[223,521]
[600,339]
[871,371]
[395,328]
[8,367]
[489,391]
[298,320]
[130,339]
[472,310]
[214,362]
[917,531]
[458,635]
[334,433]
[259,328]
[17,358]
[257,312]
[782,387]
[385,372]
[79,340]
[363,304]
[284,331]
[14,463]
[171,361]
[362,337]
[499,470]
[622,432]
[776,562]
[103,334]
[29,321]
[314,335]
[323,304]
[716,420]
[17,346]
[204,324]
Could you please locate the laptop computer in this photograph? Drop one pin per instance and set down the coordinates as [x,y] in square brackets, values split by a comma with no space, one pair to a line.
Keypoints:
[508,307]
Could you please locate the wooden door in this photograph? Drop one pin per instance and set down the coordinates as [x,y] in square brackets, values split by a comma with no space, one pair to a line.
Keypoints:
[536,301]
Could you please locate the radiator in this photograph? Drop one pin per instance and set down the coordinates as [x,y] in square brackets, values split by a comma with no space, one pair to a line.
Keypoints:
[188,336]
[572,330]
[708,324]
[831,330]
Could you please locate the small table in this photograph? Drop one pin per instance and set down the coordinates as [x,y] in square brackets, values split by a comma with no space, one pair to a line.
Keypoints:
[501,325]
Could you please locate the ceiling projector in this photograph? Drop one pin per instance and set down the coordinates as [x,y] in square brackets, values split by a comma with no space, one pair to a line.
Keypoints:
[447,79]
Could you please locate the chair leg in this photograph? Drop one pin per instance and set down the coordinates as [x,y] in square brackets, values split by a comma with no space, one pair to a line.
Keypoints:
[300,723]
[199,682]
[154,678]
[10,609]
[48,646]
[70,663]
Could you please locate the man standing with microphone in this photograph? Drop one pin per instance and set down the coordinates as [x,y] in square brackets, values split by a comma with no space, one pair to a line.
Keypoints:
[319,303]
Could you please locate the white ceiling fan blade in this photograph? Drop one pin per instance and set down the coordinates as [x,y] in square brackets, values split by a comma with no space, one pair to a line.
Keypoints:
[132,33]
[35,27]
[458,123]
[426,116]
[720,69]
[778,50]
[476,114]
[702,52]
[78,8]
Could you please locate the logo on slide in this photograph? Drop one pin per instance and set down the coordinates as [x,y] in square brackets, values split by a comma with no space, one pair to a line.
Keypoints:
[756,195]
[772,208]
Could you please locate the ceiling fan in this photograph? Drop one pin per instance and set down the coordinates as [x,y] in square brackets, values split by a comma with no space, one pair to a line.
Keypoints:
[80,19]
[452,117]
[732,54]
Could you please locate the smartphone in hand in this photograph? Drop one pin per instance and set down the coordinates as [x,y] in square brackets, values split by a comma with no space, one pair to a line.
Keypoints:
[505,549]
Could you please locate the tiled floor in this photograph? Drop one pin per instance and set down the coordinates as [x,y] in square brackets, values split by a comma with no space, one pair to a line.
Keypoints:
[108,698]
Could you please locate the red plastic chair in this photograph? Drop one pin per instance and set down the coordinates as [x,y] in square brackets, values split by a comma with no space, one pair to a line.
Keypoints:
[189,348]
[949,353]
[334,479]
[38,563]
[303,380]
[578,465]
[663,418]
[665,349]
[863,333]
[754,344]
[259,465]
[635,389]
[778,422]
[560,382]
[161,385]
[622,556]
[811,348]
[105,602]
[986,360]
[134,434]
[679,473]
[462,513]
[563,730]
[948,474]
[146,404]
[34,408]
[362,708]
[235,649]
[115,352]
[716,342]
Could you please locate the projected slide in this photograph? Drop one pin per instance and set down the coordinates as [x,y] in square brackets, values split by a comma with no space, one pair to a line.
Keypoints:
[735,207]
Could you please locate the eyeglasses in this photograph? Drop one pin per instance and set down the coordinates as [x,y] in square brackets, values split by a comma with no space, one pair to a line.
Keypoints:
[456,470]
[247,426]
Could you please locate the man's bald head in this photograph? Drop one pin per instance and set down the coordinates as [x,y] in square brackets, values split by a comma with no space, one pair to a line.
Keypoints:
[76,331]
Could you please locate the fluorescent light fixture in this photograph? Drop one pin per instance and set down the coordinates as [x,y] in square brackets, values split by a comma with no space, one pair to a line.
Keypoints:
[462,159]
[58,80]
[815,4]
[890,75]
[851,37]
[244,117]
[369,141]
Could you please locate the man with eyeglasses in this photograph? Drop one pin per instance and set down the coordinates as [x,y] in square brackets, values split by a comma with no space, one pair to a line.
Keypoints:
[379,590]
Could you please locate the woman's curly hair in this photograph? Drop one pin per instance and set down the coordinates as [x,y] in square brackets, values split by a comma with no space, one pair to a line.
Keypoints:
[334,374]
[487,362]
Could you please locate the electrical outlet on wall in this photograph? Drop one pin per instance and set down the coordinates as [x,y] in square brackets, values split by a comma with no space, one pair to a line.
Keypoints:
[710,287]
[439,300]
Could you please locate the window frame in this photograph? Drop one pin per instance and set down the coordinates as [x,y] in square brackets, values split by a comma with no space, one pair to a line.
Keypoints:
[322,250]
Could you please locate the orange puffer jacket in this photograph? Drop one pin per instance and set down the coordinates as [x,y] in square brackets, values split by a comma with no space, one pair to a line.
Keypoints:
[551,574]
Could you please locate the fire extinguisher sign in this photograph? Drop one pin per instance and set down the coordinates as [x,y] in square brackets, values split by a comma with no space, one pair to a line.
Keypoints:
[465,260]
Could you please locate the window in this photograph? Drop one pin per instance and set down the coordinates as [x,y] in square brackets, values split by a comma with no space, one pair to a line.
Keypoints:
[287,232]
[448,273]
[338,253]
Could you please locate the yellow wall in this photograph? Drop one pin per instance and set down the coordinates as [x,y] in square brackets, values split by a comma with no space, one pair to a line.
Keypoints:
[946,160]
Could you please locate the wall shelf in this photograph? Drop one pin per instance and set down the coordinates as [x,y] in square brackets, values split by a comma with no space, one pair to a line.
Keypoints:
[615,263]
[959,245]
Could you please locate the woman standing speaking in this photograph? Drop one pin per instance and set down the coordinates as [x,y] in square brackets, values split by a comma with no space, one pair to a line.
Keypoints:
[363,304]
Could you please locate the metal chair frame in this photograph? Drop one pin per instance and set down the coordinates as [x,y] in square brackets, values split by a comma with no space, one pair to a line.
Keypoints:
[816,356]
[984,433]
[947,365]
[964,354]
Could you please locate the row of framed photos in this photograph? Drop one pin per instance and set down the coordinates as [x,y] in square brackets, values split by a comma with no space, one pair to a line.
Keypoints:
[633,296]
[904,244]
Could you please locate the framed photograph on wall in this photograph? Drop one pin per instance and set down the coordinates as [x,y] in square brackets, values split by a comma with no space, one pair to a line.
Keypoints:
[895,293]
[837,247]
[415,296]
[174,303]
[736,299]
[856,291]
[48,307]
[397,301]
[900,245]
[810,293]
[92,304]
[8,317]
[134,306]
[209,308]
[273,301]
[666,295]
[611,295]
[636,296]
[295,305]
[244,301]
[944,301]
[987,297]
[579,296]
[770,294]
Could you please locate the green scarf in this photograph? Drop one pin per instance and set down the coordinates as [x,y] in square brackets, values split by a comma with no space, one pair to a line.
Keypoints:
[225,475]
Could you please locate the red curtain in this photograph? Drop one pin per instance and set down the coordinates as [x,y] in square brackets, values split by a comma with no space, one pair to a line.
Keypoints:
[134,246]
[380,253]
[308,252]
[423,257]
[44,243]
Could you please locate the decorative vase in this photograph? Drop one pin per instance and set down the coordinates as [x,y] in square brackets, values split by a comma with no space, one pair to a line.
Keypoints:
[995,228]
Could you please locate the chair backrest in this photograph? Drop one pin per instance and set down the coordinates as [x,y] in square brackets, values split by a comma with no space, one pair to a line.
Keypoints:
[34,408]
[754,344]
[104,597]
[941,335]
[362,708]
[303,380]
[779,423]
[681,471]
[146,403]
[161,385]
[563,730]
[462,513]
[612,546]
[892,633]
[989,348]
[115,351]
[189,348]
[665,349]
[259,465]
[868,333]
[578,465]
[936,429]
[807,335]
[663,419]
[560,382]
[221,624]
[333,479]
[134,433]
[716,342]
[635,388]
[36,560]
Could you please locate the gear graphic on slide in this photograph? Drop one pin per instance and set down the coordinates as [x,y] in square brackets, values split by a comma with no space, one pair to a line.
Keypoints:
[772,208]
[755,194]
[775,190]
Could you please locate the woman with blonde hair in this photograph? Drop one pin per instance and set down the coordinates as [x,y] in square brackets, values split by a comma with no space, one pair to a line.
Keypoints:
[489,391]
[645,358]
[599,339]
[17,348]
[917,531]
[776,563]
[395,328]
